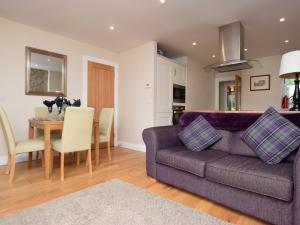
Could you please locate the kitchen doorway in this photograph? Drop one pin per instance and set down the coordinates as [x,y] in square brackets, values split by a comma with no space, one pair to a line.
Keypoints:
[228,94]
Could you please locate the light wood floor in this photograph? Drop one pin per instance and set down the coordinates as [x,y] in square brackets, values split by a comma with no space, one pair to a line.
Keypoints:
[31,188]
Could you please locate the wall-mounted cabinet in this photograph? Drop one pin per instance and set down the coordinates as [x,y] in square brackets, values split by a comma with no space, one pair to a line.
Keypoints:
[179,75]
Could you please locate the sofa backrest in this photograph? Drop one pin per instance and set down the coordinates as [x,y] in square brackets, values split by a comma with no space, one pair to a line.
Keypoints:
[232,121]
[231,126]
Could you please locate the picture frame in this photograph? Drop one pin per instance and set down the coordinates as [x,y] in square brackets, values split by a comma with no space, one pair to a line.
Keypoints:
[260,83]
[46,73]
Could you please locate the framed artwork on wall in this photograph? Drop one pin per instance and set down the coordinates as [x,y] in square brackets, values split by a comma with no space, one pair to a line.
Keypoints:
[260,83]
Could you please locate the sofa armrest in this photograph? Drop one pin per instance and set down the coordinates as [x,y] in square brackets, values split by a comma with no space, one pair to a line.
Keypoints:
[296,199]
[157,138]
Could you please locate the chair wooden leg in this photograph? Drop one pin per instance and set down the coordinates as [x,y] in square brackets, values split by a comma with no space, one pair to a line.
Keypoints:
[29,159]
[62,164]
[87,159]
[8,164]
[51,161]
[90,161]
[108,151]
[77,158]
[43,160]
[12,168]
[37,155]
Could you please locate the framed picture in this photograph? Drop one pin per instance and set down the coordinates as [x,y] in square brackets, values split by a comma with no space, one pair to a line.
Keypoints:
[260,83]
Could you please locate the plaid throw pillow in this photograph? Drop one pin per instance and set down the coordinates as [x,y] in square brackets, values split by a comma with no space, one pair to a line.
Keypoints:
[199,135]
[272,137]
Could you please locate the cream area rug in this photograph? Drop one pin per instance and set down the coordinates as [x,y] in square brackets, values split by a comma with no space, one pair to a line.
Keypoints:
[111,203]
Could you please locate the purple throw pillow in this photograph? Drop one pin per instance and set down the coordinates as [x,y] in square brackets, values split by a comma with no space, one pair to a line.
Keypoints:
[199,135]
[272,137]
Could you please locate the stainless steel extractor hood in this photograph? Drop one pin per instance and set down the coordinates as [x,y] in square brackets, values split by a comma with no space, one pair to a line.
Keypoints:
[231,38]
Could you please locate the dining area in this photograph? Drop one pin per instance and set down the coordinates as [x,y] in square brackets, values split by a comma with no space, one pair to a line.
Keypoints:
[75,133]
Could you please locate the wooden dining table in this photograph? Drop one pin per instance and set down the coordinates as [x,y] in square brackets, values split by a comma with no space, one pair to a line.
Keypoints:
[50,125]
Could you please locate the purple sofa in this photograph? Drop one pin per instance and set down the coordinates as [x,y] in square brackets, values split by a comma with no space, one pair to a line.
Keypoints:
[228,172]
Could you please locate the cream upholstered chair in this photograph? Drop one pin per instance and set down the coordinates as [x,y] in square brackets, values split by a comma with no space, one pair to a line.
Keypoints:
[14,147]
[76,135]
[106,121]
[42,112]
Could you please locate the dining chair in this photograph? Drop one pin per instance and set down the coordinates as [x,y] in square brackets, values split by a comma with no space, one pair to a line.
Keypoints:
[42,112]
[14,148]
[105,126]
[76,135]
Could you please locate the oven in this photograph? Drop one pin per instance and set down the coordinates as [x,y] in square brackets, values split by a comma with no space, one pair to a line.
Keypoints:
[177,113]
[178,93]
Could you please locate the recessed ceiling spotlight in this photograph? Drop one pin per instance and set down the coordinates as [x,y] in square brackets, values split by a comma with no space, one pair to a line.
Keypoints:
[48,60]
[282,19]
[162,1]
[246,49]
[194,43]
[111,27]
[286,41]
[214,56]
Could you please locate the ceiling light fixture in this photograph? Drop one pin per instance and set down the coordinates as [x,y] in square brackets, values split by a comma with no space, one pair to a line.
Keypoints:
[282,19]
[162,1]
[286,41]
[246,49]
[214,56]
[194,43]
[111,27]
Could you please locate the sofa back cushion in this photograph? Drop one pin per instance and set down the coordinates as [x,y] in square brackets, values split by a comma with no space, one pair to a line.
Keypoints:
[238,147]
[225,143]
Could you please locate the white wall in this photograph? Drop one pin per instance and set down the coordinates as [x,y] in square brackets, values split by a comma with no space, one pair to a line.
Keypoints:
[136,108]
[13,39]
[200,85]
[258,100]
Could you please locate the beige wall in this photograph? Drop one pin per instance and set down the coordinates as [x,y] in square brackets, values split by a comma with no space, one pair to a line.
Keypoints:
[259,100]
[199,86]
[13,39]
[136,101]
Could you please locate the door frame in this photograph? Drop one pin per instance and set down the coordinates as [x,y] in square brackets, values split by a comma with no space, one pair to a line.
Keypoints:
[85,60]
[218,80]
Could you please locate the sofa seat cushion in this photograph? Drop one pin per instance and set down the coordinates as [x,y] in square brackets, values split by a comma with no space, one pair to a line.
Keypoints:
[253,175]
[188,161]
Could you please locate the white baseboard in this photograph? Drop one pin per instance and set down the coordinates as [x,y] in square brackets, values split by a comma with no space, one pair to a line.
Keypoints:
[133,146]
[19,158]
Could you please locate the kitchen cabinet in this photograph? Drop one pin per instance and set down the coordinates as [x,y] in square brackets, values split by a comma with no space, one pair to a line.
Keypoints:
[164,86]
[164,119]
[179,75]
[168,73]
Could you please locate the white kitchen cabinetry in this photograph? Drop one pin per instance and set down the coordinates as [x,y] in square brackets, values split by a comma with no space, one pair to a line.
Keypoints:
[164,119]
[168,73]
[164,86]
[179,76]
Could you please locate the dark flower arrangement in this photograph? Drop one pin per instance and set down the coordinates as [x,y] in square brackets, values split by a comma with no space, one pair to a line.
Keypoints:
[61,104]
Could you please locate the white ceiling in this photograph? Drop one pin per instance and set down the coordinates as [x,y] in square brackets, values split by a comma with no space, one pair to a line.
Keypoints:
[175,24]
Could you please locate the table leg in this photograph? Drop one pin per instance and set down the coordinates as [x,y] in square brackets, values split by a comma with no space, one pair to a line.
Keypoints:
[30,136]
[47,151]
[96,142]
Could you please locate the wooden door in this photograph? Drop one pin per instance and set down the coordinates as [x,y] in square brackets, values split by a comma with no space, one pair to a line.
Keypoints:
[238,92]
[101,89]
